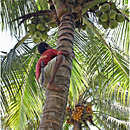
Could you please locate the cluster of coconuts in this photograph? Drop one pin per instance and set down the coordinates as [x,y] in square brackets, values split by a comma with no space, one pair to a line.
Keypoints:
[39,27]
[77,113]
[108,17]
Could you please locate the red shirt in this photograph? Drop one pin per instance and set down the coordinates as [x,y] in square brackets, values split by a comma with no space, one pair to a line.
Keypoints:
[46,57]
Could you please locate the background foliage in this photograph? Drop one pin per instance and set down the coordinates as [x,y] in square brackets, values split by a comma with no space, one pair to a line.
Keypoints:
[100,71]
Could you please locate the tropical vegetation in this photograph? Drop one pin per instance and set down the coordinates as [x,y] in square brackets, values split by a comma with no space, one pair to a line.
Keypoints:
[96,82]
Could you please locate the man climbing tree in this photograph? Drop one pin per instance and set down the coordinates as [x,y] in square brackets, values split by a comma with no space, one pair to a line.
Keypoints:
[52,60]
[55,103]
[68,15]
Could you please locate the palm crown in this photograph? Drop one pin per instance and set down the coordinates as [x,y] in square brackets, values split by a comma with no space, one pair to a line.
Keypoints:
[100,73]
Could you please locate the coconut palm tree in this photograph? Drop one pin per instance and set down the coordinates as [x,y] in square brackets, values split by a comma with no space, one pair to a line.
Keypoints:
[101,56]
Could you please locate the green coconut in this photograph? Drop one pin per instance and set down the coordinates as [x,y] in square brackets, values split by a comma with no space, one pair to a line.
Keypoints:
[99,21]
[46,16]
[34,20]
[120,17]
[112,6]
[104,17]
[42,20]
[40,27]
[105,7]
[112,14]
[105,25]
[98,13]
[32,31]
[53,25]
[113,24]
[37,34]
[35,40]
[44,36]
[31,25]
[47,29]
[49,20]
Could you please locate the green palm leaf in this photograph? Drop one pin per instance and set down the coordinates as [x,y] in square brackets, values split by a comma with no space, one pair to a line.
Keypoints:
[19,8]
[100,71]
[19,87]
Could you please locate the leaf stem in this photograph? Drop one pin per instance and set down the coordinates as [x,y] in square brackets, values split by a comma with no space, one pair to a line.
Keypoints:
[91,4]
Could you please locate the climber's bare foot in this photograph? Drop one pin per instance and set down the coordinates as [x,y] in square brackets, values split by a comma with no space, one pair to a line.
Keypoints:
[54,86]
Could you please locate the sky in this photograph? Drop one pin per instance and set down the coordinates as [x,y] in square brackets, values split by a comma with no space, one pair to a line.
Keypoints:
[6,41]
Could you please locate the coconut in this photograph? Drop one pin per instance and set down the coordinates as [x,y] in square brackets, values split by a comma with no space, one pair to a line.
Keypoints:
[35,40]
[30,26]
[112,14]
[105,7]
[42,20]
[98,13]
[105,25]
[53,25]
[99,21]
[112,6]
[49,20]
[47,29]
[46,16]
[113,24]
[44,36]
[32,31]
[37,34]
[120,17]
[34,20]
[40,27]
[104,17]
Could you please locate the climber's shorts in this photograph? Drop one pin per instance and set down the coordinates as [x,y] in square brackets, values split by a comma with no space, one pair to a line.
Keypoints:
[47,73]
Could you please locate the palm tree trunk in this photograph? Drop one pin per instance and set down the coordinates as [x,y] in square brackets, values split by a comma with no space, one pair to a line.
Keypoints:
[77,126]
[55,104]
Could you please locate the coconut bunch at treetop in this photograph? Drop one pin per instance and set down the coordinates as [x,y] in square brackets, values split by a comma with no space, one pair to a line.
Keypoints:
[108,17]
[39,27]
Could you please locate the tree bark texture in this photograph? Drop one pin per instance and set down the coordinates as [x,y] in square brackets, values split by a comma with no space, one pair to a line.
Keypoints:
[55,104]
[77,126]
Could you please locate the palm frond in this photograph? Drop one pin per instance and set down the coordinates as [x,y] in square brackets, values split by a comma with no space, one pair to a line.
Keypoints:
[78,83]
[115,58]
[28,103]
[11,10]
[100,71]
[107,114]
[22,97]
[121,37]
